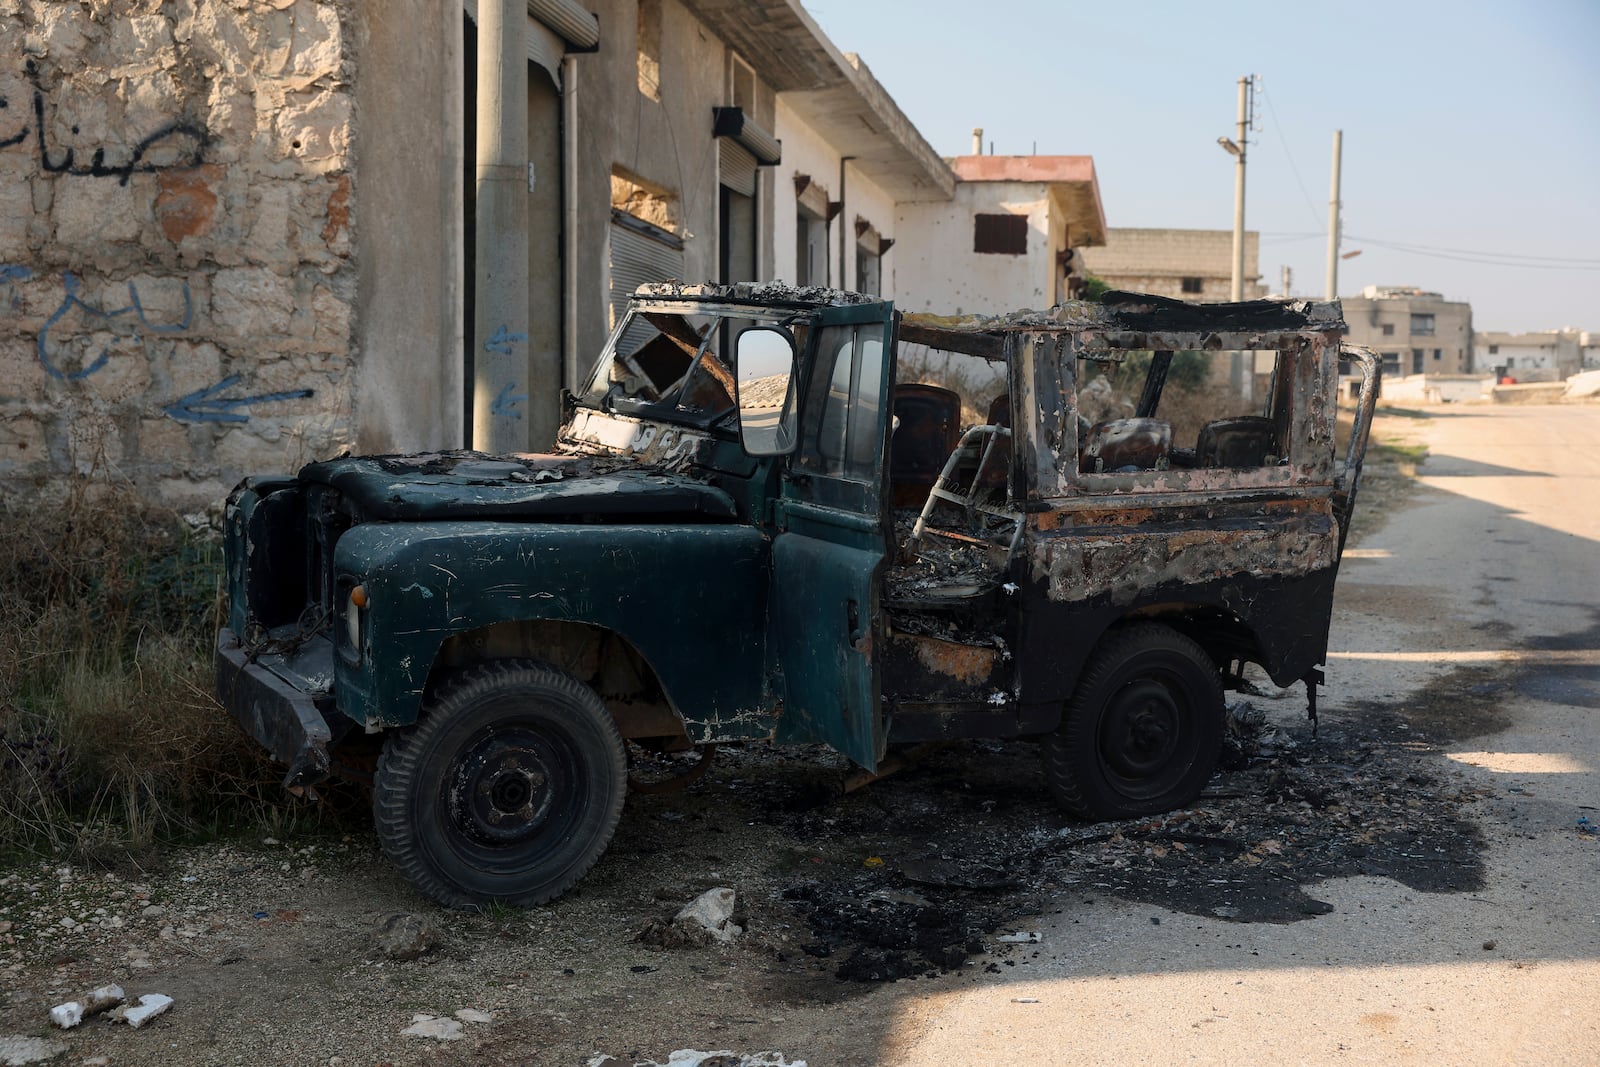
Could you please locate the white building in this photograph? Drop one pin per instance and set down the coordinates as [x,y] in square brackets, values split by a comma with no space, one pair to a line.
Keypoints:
[1006,240]
[849,157]
[1540,356]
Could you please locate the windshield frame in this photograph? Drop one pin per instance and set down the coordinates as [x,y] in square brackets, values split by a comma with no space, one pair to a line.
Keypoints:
[601,392]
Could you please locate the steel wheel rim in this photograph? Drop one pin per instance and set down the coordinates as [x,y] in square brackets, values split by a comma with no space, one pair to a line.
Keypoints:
[1143,733]
[511,789]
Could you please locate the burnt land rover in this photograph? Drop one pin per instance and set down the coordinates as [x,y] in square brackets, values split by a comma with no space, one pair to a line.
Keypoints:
[796,515]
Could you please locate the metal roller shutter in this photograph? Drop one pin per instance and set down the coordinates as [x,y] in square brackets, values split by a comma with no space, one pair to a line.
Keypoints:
[637,258]
[737,167]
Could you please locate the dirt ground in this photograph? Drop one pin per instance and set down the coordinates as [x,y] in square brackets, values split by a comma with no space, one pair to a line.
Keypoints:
[907,922]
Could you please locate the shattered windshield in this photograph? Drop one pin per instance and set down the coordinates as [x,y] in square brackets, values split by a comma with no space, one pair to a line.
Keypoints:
[674,364]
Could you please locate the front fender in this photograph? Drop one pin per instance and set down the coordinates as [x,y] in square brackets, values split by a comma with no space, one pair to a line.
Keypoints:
[691,599]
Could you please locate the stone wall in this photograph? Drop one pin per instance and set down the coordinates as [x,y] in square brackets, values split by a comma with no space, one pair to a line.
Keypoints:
[1157,261]
[176,277]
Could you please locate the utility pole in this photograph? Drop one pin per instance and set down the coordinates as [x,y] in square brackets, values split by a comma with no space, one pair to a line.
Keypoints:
[1238,148]
[1246,99]
[1333,219]
[501,389]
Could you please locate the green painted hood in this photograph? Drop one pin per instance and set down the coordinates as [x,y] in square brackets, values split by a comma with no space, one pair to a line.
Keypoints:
[472,485]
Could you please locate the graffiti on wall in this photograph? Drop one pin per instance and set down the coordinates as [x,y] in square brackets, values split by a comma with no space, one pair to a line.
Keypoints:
[205,405]
[72,286]
[187,141]
[508,401]
[10,274]
[202,405]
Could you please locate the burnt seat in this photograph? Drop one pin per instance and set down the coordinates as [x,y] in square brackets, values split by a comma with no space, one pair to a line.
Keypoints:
[1126,445]
[1241,441]
[927,431]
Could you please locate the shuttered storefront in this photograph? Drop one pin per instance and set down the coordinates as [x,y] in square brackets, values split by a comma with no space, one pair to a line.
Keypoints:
[640,253]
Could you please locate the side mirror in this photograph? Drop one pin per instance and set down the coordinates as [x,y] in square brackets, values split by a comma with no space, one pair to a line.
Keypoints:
[764,380]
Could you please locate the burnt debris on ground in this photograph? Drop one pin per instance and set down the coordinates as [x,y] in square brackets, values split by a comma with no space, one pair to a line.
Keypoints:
[967,841]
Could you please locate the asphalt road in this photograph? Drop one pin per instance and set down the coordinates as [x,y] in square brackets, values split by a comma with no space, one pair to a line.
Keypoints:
[1491,575]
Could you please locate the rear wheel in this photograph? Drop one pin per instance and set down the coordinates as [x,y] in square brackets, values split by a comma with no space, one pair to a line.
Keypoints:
[507,790]
[1142,731]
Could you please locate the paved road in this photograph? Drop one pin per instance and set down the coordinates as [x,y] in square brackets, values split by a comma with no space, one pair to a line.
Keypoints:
[1495,569]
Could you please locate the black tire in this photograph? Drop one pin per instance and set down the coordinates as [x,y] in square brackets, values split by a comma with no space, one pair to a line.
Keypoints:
[1142,730]
[507,790]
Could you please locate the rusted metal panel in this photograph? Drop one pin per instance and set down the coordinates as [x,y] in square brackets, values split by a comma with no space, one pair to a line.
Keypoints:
[1123,562]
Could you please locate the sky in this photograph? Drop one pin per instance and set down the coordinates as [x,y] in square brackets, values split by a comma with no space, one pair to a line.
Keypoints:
[1471,129]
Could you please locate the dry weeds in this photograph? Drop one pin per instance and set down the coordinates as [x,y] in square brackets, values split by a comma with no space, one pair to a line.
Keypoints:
[109,736]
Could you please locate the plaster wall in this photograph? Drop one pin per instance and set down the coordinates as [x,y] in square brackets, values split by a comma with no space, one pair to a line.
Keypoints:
[938,270]
[407,335]
[665,142]
[864,198]
[804,152]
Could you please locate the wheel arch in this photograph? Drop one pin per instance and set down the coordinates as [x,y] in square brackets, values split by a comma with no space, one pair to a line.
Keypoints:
[1224,634]
[602,658]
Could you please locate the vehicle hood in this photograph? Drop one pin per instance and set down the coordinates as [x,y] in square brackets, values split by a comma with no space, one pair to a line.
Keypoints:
[472,485]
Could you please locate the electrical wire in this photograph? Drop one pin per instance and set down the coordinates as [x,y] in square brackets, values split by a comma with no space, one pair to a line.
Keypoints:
[1493,259]
[1277,127]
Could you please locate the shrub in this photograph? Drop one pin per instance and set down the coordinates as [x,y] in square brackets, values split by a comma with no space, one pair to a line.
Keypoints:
[108,731]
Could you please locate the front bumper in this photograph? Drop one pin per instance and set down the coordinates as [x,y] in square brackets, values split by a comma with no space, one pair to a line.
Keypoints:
[283,703]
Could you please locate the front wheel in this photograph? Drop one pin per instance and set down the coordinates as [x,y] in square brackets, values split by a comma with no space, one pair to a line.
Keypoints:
[1142,730]
[507,790]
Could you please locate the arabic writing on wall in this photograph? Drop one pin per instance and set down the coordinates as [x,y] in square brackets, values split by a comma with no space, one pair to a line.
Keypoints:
[178,144]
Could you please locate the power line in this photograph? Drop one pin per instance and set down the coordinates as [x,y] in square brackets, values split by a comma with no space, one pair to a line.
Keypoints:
[1492,259]
[1277,127]
[1409,247]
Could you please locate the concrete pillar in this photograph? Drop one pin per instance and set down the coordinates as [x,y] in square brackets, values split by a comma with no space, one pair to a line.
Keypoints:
[501,384]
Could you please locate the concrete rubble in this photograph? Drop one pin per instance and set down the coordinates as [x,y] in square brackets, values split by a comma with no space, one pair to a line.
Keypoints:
[434,1028]
[95,1001]
[713,912]
[136,1015]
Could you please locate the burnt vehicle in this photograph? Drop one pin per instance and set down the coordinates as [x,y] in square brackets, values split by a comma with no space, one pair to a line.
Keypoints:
[795,515]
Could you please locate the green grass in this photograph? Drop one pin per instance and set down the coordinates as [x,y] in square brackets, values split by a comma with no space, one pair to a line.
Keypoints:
[1398,451]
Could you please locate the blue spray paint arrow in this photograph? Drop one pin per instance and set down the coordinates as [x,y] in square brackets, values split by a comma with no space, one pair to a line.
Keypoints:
[507,402]
[503,340]
[204,405]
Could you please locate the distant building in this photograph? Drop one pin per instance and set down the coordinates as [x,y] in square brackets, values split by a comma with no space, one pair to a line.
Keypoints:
[1009,238]
[1415,331]
[1184,264]
[1543,355]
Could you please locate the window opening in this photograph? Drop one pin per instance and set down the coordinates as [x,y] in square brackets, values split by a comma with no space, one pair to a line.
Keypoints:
[1144,410]
[1000,234]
